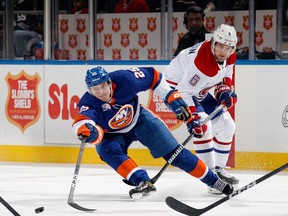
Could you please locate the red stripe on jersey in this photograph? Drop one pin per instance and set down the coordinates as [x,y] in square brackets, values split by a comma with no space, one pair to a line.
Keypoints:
[80,117]
[199,170]
[171,82]
[126,167]
[202,142]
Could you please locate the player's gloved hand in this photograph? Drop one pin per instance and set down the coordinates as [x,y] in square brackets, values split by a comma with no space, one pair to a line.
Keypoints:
[224,93]
[194,124]
[91,134]
[175,103]
[228,98]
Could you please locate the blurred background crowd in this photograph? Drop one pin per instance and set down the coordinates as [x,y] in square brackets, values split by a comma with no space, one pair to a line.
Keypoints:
[28,23]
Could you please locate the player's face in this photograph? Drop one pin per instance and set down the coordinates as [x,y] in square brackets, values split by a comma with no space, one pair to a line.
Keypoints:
[194,22]
[222,51]
[101,91]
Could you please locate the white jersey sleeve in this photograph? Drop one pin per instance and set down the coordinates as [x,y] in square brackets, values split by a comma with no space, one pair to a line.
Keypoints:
[194,71]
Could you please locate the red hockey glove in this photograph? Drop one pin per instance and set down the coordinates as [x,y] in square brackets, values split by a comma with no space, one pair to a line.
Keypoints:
[194,124]
[91,134]
[174,102]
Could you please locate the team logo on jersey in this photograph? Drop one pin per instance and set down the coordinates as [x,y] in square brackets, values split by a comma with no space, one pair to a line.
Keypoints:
[204,92]
[123,117]
[195,79]
[285,117]
[83,108]
[106,107]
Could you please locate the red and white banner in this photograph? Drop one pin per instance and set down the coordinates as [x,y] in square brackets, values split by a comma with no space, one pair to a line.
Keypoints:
[138,37]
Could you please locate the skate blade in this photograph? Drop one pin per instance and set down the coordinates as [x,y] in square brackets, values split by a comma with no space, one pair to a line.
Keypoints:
[140,196]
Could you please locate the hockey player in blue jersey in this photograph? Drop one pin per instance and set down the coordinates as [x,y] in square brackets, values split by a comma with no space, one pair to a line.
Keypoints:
[111,118]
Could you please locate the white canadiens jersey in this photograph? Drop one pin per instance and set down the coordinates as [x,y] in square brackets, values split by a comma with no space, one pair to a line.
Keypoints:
[194,71]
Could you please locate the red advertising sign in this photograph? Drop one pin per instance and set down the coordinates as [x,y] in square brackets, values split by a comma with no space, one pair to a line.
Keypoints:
[22,105]
[158,107]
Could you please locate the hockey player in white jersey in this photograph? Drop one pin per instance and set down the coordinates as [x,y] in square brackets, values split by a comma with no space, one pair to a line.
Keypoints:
[194,72]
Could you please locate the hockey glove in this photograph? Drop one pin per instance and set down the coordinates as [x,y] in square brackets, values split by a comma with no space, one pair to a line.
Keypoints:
[228,98]
[194,124]
[174,102]
[224,93]
[91,134]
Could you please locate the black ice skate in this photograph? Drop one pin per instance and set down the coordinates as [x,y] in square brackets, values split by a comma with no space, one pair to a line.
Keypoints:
[222,187]
[222,174]
[144,189]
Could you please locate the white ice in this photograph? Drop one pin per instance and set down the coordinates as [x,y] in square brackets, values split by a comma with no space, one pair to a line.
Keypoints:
[28,186]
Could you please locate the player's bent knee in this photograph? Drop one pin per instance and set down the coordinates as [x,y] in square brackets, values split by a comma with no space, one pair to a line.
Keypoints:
[110,151]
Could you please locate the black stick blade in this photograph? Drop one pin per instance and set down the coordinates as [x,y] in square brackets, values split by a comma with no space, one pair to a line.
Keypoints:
[182,207]
[78,207]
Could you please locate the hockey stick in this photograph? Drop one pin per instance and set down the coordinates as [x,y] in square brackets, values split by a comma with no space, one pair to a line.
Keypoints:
[189,210]
[12,210]
[179,149]
[74,181]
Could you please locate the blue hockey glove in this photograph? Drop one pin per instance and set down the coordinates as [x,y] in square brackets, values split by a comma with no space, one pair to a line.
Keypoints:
[174,102]
[224,93]
[228,98]
[194,124]
[91,134]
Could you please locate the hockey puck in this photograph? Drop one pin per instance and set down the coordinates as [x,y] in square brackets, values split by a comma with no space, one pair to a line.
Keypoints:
[39,210]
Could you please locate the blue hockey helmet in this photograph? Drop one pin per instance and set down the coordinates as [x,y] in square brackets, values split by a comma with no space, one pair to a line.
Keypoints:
[96,76]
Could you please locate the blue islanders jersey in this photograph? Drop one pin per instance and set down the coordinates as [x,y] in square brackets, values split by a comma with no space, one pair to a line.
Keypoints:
[122,111]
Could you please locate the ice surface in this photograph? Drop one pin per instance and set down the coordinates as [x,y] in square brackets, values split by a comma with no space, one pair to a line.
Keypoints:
[29,186]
